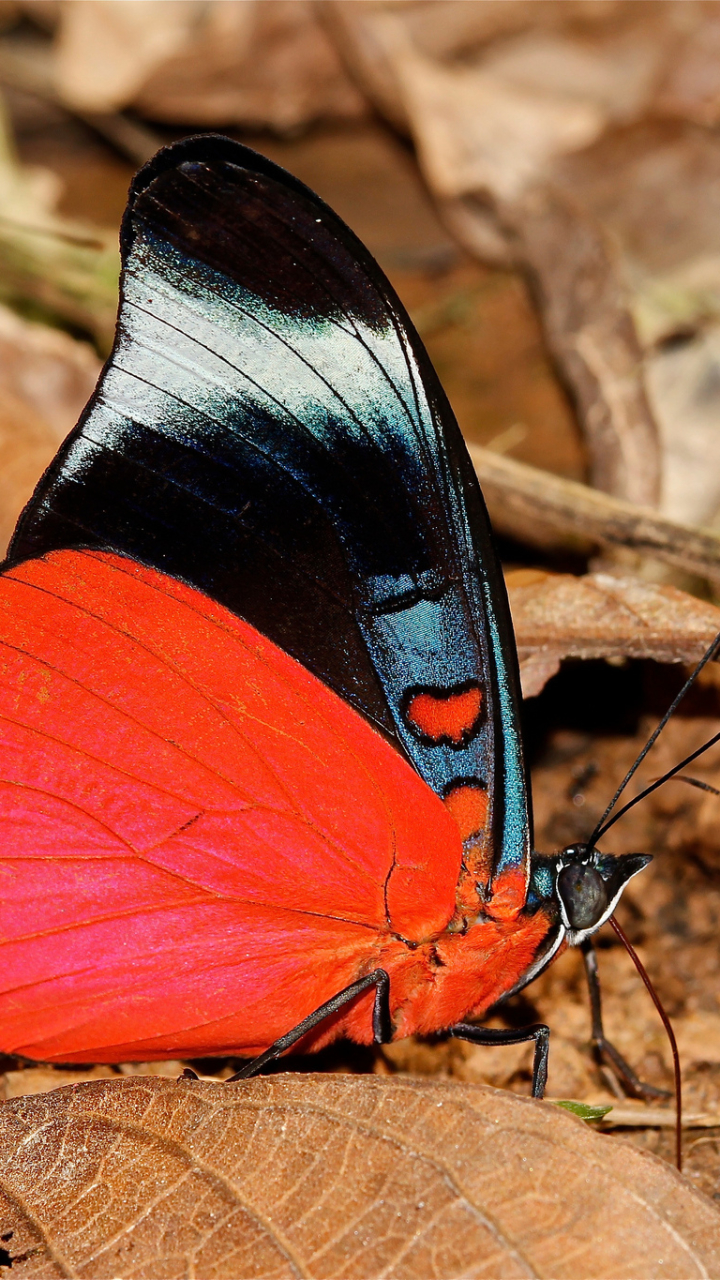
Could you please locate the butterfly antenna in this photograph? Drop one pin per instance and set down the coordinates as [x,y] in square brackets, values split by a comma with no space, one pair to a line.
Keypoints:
[671,773]
[603,825]
[670,1035]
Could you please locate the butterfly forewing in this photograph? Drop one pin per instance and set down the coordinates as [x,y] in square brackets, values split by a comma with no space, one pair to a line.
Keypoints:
[269,430]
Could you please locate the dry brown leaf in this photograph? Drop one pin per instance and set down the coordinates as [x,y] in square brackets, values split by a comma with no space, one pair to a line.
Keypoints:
[494,93]
[237,61]
[559,616]
[326,1176]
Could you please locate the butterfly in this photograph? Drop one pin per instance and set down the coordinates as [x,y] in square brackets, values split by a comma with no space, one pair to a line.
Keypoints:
[261,769]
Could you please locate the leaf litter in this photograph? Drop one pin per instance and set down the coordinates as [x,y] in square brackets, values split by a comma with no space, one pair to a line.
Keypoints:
[333,1176]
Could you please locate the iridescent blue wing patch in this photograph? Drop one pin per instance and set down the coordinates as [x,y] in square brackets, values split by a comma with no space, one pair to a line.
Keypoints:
[269,429]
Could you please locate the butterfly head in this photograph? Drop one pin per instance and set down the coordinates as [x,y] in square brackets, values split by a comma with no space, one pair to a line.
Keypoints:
[584,885]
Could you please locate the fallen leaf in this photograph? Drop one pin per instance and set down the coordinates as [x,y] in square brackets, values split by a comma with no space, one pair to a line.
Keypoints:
[558,616]
[193,62]
[549,87]
[329,1176]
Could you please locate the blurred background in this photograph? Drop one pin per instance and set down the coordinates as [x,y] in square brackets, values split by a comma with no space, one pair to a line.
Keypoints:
[540,179]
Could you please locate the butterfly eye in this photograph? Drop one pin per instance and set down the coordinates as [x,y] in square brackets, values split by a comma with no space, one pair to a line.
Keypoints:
[584,895]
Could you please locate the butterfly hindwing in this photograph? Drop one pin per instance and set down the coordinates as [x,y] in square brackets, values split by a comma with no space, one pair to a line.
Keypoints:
[186,812]
[268,429]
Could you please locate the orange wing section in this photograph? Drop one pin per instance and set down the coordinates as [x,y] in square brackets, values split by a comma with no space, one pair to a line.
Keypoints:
[445,715]
[200,841]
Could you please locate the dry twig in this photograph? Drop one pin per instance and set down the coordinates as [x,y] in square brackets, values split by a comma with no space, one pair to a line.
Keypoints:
[547,510]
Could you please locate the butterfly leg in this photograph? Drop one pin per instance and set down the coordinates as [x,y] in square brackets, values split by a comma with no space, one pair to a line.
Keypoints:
[539,1033]
[604,1049]
[382,1025]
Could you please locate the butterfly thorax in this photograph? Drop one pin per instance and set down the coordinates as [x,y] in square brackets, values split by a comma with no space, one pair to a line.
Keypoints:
[480,960]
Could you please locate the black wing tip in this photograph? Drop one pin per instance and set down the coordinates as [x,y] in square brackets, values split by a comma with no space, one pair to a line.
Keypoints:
[209,196]
[206,148]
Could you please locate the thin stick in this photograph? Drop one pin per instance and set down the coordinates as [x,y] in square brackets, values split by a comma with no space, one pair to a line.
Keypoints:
[528,503]
[53,233]
[670,1035]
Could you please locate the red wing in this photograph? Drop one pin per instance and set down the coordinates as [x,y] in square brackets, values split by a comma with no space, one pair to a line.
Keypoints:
[200,841]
